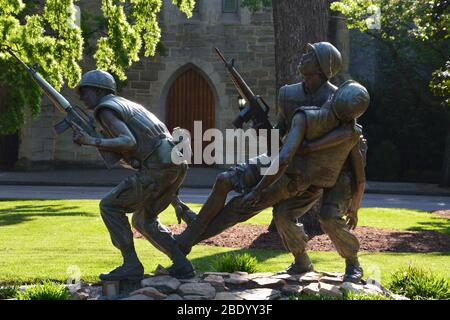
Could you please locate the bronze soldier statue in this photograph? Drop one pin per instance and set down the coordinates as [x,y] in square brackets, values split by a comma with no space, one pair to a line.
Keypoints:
[318,65]
[144,143]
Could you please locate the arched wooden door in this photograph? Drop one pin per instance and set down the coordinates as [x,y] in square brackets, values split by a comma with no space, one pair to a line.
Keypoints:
[190,99]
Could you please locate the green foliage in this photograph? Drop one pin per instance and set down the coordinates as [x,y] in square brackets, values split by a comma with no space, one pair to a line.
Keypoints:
[255,5]
[45,32]
[418,284]
[8,292]
[48,37]
[121,47]
[384,162]
[416,32]
[347,295]
[45,291]
[235,262]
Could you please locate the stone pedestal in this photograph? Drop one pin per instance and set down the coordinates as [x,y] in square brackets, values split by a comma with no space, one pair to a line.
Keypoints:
[116,288]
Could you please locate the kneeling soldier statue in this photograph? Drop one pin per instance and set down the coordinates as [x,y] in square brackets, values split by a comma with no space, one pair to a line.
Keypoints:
[141,141]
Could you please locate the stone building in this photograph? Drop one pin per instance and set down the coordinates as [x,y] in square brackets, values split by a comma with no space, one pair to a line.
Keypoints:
[186,83]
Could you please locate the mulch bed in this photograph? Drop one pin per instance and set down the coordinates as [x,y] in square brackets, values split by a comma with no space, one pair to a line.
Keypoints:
[443,213]
[371,239]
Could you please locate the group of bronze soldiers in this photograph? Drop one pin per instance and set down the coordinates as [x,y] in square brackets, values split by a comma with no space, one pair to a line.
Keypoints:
[322,156]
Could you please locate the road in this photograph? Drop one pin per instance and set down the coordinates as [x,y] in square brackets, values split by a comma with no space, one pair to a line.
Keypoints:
[426,203]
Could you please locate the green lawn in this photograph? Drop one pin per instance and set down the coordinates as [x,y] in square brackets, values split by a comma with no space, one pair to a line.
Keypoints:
[41,239]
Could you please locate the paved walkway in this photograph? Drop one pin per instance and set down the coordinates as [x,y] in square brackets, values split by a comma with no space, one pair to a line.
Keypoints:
[196,178]
[199,195]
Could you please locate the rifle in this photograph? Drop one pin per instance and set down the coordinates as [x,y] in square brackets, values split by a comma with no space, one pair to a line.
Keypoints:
[76,118]
[256,108]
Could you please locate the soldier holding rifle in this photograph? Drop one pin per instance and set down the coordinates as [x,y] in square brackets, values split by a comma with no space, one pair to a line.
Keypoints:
[138,139]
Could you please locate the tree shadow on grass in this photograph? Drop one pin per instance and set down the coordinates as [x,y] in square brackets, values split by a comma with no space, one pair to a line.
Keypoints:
[205,263]
[441,225]
[23,213]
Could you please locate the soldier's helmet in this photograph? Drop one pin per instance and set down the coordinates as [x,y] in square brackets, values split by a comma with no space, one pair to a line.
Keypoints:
[330,59]
[350,101]
[98,79]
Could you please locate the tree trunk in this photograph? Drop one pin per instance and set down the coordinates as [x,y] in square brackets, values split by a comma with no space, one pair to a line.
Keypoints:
[445,176]
[297,23]
[9,144]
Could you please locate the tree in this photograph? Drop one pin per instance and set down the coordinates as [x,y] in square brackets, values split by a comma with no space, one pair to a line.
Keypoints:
[415,32]
[45,32]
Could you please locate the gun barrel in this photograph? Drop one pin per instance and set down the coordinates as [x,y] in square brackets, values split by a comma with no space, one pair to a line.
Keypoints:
[55,97]
[240,84]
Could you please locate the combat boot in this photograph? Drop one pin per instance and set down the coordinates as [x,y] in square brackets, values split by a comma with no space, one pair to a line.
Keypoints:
[353,271]
[188,237]
[132,272]
[182,269]
[301,265]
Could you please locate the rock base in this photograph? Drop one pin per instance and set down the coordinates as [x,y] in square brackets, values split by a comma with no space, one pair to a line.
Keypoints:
[236,286]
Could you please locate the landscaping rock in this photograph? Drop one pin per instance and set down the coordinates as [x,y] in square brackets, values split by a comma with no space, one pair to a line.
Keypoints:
[259,275]
[243,286]
[222,274]
[80,296]
[352,287]
[312,289]
[164,284]
[200,289]
[373,289]
[195,297]
[139,297]
[375,283]
[330,290]
[285,276]
[236,279]
[266,283]
[216,281]
[150,292]
[227,296]
[174,296]
[333,274]
[259,294]
[309,277]
[290,289]
[331,280]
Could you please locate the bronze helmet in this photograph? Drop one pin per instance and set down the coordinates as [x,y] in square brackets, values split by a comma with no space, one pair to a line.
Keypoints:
[350,101]
[330,59]
[98,79]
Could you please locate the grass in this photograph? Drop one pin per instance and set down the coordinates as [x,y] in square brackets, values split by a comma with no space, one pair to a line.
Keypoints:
[235,262]
[346,296]
[8,292]
[43,239]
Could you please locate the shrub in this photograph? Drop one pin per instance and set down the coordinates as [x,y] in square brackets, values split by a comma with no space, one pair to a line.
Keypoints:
[418,284]
[235,262]
[384,162]
[8,292]
[45,291]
